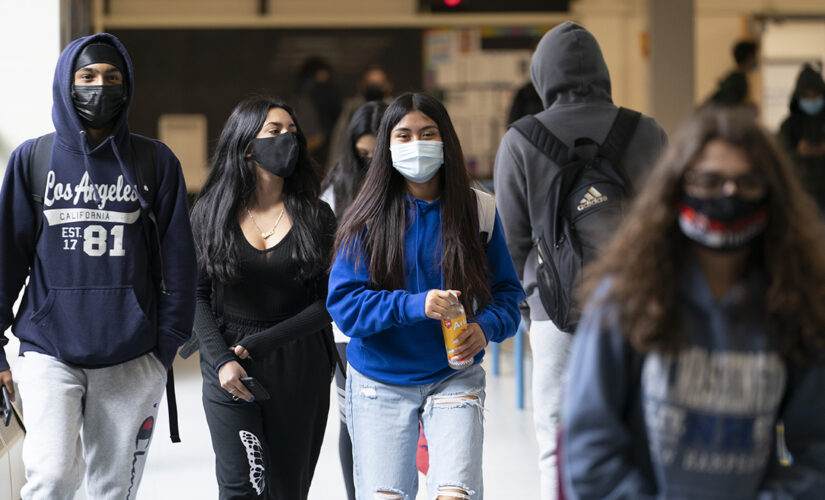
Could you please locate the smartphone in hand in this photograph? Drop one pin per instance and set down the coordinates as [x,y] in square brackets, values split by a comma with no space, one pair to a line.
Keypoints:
[253,386]
[5,407]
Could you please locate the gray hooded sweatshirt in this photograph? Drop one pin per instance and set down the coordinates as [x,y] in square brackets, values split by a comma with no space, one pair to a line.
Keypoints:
[571,78]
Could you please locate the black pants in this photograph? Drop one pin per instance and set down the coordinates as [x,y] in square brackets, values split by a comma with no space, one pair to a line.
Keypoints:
[269,449]
[344,441]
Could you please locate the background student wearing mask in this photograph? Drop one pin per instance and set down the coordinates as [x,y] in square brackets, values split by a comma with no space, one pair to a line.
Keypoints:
[803,132]
[339,189]
[374,85]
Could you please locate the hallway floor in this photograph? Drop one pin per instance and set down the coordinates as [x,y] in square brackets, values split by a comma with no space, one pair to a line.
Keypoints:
[184,471]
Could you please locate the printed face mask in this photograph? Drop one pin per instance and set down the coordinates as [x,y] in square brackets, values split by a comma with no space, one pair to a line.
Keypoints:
[725,224]
[277,155]
[811,105]
[418,161]
[97,105]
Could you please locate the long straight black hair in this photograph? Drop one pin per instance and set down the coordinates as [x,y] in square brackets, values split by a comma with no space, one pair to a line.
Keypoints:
[375,222]
[346,176]
[232,182]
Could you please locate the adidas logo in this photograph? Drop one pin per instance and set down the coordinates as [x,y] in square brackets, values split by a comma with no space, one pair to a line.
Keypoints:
[591,197]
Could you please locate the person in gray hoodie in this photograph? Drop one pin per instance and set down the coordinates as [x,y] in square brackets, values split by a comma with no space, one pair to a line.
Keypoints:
[572,79]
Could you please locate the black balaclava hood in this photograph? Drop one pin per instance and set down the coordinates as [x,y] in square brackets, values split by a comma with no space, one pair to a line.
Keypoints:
[67,123]
[95,53]
[99,105]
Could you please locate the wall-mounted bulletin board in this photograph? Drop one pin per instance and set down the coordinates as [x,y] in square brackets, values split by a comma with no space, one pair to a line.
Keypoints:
[477,71]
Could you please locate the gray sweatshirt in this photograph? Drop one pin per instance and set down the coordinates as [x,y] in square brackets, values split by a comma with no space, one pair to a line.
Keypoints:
[699,423]
[570,75]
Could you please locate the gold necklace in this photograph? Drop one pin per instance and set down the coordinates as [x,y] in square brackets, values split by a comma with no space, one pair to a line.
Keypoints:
[266,234]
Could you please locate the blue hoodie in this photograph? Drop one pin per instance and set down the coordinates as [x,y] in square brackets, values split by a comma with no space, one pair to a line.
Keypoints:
[392,339]
[91,299]
[698,423]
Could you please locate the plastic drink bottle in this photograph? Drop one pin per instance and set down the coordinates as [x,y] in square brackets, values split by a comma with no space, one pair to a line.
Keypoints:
[453,324]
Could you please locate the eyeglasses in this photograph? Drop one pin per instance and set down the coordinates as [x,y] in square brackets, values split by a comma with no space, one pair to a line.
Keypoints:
[711,184]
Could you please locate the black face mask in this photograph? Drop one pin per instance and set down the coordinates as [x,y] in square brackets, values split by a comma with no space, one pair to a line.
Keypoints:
[374,93]
[364,163]
[727,223]
[277,155]
[98,105]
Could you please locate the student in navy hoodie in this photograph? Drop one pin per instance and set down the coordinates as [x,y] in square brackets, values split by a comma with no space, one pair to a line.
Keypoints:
[705,336]
[409,239]
[96,333]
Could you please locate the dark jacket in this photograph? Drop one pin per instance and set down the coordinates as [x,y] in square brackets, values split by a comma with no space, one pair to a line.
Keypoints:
[800,125]
[92,299]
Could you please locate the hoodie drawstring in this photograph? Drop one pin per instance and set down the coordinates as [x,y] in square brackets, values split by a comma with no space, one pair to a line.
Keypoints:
[86,153]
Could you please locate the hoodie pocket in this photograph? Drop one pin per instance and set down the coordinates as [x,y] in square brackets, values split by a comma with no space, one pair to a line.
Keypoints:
[94,326]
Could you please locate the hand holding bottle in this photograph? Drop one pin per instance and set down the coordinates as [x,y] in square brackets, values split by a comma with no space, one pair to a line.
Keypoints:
[438,302]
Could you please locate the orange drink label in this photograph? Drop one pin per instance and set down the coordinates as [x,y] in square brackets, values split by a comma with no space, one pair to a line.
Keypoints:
[452,328]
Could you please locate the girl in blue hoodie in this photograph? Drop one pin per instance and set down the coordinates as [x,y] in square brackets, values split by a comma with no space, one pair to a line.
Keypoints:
[698,368]
[407,245]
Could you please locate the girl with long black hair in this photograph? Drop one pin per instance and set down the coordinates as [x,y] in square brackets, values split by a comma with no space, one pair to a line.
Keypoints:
[263,240]
[338,189]
[407,248]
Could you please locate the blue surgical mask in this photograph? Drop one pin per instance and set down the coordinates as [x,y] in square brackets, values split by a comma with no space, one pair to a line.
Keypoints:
[418,161]
[811,105]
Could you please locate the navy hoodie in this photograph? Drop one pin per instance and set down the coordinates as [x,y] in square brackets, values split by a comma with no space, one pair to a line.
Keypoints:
[93,298]
[699,423]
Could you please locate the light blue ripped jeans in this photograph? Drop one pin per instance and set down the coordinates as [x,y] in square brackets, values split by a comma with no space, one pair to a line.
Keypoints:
[383,423]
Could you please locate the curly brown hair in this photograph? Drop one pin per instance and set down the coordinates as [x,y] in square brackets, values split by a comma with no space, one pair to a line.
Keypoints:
[644,258]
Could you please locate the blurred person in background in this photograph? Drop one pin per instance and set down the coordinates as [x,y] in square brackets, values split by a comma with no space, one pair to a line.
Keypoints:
[339,189]
[697,369]
[318,103]
[526,100]
[803,132]
[374,85]
[733,89]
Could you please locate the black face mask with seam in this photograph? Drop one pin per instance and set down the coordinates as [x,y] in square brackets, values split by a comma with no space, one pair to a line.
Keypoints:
[98,105]
[277,155]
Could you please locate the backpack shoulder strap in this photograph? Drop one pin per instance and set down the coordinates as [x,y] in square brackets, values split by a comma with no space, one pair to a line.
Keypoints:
[486,206]
[542,138]
[145,167]
[622,130]
[40,160]
[145,162]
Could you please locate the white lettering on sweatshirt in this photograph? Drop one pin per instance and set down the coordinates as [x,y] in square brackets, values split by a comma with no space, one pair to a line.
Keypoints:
[85,191]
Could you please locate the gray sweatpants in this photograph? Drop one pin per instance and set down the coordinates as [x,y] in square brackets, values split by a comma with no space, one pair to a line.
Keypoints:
[98,419]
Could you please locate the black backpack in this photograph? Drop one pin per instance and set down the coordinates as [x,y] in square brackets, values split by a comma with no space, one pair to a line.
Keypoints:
[145,160]
[587,197]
